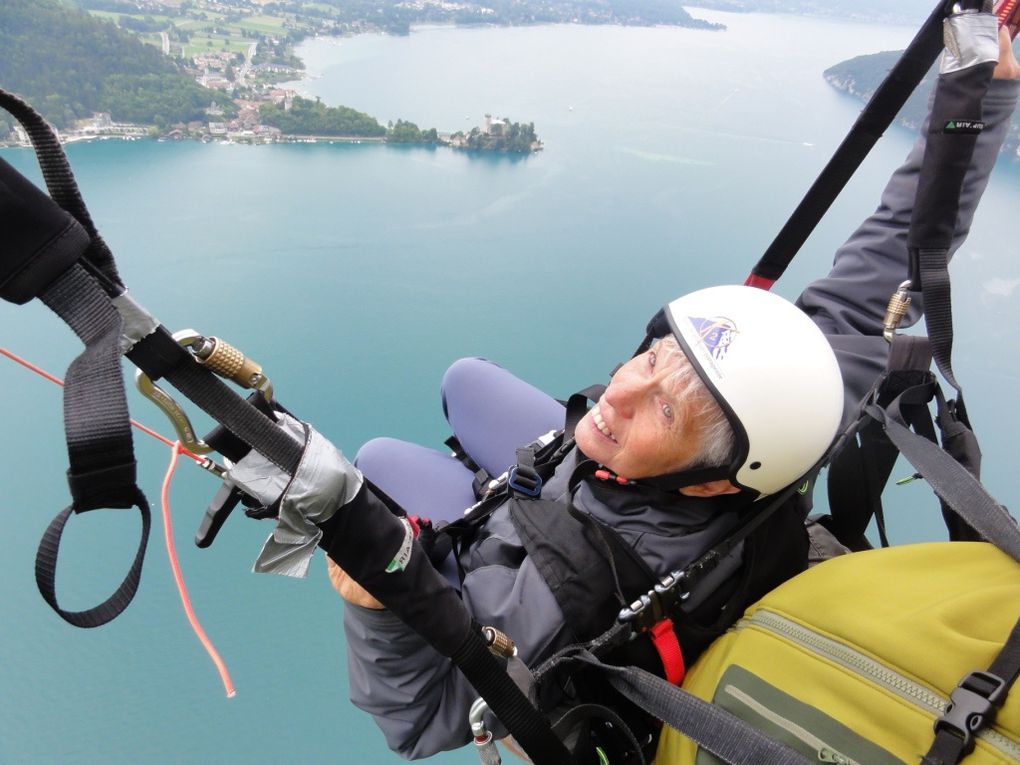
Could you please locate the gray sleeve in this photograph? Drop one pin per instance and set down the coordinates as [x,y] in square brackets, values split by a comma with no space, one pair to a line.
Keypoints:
[417,697]
[851,300]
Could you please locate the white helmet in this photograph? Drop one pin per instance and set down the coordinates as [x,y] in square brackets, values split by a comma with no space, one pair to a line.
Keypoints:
[772,372]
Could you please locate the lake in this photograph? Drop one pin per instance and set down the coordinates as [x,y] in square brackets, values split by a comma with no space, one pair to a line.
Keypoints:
[355,273]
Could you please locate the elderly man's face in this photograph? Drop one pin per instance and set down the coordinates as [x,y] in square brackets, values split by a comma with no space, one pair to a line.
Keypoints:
[638,428]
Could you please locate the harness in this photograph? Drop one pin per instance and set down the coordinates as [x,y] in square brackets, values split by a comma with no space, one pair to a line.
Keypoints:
[612,601]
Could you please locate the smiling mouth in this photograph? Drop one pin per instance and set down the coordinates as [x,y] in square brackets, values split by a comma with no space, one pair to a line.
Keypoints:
[596,417]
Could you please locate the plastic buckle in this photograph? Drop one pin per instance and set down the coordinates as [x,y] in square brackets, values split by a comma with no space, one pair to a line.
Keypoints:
[972,706]
[527,482]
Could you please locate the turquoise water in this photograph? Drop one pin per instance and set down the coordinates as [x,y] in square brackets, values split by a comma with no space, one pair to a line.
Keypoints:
[356,273]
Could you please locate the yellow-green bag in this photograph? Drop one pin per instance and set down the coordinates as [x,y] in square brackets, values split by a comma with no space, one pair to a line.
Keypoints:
[855,659]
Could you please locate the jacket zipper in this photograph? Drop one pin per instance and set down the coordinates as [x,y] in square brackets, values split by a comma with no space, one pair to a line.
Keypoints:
[862,665]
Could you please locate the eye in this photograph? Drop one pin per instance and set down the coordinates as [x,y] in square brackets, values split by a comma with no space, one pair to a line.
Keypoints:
[667,410]
[651,359]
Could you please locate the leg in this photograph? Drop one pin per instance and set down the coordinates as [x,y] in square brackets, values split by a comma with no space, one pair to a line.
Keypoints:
[492,413]
[422,481]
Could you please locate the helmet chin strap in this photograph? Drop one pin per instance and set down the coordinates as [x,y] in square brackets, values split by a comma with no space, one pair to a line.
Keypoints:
[658,328]
[672,482]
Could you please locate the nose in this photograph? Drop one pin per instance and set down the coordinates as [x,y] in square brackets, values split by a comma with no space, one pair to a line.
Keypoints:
[626,390]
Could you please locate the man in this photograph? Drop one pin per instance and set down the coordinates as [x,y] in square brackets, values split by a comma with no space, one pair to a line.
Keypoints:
[654,419]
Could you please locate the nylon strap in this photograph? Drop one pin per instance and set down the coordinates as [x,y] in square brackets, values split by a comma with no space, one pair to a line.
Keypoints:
[729,738]
[953,483]
[98,431]
[112,607]
[973,705]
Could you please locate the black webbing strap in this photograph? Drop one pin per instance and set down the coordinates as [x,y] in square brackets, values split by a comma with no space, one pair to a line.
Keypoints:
[863,458]
[873,121]
[729,738]
[953,128]
[973,705]
[577,407]
[234,413]
[530,729]
[950,480]
[99,444]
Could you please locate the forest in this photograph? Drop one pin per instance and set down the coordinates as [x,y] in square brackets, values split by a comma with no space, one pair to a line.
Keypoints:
[91,66]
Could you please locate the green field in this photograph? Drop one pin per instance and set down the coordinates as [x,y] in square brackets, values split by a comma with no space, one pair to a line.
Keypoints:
[267,25]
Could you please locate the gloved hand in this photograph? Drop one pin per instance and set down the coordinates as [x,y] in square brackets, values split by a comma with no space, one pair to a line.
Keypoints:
[324,481]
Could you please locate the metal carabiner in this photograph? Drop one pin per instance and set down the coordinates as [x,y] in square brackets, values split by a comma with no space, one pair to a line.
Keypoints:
[218,356]
[178,418]
[896,310]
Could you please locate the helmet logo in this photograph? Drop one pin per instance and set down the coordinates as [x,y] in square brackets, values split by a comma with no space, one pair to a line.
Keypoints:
[716,334]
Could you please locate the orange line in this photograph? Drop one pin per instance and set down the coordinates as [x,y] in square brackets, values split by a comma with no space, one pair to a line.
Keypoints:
[57,381]
[171,551]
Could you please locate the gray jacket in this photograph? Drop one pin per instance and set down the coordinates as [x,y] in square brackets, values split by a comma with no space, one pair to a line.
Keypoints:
[418,698]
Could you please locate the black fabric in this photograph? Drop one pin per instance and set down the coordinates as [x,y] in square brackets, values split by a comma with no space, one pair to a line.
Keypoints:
[41,240]
[578,563]
[873,121]
[592,572]
[63,188]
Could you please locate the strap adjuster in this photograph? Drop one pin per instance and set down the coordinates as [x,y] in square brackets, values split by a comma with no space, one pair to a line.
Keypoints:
[524,480]
[972,706]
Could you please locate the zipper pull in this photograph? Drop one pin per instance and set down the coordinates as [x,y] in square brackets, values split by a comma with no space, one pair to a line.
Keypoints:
[909,479]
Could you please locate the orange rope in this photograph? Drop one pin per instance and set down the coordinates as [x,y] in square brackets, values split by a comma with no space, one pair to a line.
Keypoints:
[171,552]
[57,381]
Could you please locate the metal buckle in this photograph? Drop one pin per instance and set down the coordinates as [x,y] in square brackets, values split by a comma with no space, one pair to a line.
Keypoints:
[649,609]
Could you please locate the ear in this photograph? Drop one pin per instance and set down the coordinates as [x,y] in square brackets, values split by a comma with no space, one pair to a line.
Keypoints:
[710,489]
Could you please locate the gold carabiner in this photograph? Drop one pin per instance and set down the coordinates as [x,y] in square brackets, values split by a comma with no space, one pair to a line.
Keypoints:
[896,310]
[219,357]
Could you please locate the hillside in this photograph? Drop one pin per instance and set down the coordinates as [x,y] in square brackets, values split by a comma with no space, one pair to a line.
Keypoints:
[860,77]
[69,65]
[902,12]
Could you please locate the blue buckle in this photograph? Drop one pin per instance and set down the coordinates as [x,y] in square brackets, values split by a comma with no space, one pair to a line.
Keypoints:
[972,706]
[529,485]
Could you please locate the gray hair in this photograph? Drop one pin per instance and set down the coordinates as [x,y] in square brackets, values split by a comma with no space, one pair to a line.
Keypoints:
[718,441]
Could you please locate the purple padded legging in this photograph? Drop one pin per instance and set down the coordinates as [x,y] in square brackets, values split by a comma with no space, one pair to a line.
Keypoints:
[491,412]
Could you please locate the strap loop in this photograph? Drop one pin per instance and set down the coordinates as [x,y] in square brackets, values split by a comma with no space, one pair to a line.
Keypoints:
[46,569]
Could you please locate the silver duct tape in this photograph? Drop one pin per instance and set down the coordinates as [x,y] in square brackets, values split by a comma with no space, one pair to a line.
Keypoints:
[971,39]
[324,481]
[138,323]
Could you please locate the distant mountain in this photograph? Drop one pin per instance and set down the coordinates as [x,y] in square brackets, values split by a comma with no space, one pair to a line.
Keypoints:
[69,65]
[860,77]
[902,11]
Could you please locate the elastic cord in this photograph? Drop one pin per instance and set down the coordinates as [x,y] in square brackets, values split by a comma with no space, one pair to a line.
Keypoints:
[171,551]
